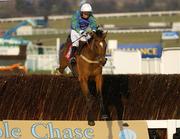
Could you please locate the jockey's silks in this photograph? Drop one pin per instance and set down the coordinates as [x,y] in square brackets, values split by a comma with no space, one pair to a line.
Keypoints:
[78,23]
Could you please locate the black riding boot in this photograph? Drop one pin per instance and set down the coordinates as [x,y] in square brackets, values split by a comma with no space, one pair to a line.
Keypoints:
[72,55]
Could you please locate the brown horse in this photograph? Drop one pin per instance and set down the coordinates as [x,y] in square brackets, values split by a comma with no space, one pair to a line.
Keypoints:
[13,69]
[89,62]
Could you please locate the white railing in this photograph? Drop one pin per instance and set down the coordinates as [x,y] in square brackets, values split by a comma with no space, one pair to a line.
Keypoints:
[56,31]
[170,125]
[47,31]
[139,30]
[169,63]
[151,13]
[56,17]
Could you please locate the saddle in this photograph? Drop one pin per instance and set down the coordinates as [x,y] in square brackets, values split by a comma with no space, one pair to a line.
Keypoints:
[69,47]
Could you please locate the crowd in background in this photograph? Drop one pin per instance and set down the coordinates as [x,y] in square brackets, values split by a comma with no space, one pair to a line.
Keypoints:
[12,8]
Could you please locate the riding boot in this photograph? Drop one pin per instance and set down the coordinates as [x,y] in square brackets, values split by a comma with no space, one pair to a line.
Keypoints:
[72,55]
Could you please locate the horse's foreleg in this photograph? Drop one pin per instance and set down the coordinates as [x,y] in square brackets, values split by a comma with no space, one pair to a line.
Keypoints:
[89,100]
[99,81]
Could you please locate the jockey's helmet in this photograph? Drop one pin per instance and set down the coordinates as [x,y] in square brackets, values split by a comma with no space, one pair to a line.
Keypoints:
[86,7]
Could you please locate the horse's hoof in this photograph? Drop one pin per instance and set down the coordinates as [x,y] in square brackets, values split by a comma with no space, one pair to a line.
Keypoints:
[91,123]
[104,117]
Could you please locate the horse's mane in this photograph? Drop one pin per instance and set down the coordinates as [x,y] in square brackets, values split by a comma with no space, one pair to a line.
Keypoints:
[99,33]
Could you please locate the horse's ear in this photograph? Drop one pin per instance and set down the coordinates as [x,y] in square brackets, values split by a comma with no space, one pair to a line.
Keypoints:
[105,34]
[94,34]
[91,33]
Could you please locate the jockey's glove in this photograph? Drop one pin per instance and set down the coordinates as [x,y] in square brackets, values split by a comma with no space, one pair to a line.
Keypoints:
[88,29]
[83,33]
[88,36]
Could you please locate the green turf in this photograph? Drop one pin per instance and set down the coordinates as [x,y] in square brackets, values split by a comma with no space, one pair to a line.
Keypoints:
[60,24]
[47,39]
[118,21]
[121,37]
[138,21]
[121,21]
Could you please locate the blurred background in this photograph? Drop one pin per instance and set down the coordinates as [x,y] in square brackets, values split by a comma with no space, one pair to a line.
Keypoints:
[31,32]
[14,8]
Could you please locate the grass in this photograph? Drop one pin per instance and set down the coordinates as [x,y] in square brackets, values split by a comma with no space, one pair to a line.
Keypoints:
[138,21]
[118,21]
[49,40]
[60,24]
[123,38]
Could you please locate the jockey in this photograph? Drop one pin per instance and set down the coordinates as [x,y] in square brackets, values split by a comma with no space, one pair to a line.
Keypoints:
[81,22]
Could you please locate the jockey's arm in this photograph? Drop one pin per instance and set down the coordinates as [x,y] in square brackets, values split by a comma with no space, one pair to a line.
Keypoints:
[93,24]
[75,23]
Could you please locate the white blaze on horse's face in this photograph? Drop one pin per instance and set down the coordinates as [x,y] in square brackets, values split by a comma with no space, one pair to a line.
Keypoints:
[101,44]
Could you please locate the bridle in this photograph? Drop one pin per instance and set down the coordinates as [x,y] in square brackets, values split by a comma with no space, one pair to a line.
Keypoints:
[101,60]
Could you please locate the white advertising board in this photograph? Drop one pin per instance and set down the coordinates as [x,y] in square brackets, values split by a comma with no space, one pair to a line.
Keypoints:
[9,50]
[127,62]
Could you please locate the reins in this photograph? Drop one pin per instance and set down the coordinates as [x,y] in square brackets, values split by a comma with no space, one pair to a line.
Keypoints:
[84,57]
[77,39]
[89,60]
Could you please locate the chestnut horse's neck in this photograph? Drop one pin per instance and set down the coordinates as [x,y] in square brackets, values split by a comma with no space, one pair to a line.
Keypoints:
[88,49]
[94,50]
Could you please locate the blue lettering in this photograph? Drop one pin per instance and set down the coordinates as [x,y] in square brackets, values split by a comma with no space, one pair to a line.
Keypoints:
[15,132]
[34,133]
[89,133]
[68,133]
[6,127]
[78,133]
[51,132]
[1,133]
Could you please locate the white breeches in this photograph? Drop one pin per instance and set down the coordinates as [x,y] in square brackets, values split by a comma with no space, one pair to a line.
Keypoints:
[75,38]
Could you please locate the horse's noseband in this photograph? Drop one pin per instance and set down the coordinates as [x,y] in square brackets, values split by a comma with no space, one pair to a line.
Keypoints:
[102,60]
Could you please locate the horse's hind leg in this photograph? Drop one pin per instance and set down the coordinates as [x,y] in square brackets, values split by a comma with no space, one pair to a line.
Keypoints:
[62,68]
[63,64]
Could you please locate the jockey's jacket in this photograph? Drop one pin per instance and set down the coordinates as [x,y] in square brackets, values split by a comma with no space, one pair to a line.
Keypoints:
[78,23]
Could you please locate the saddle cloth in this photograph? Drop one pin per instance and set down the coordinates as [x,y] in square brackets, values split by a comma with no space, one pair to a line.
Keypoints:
[68,52]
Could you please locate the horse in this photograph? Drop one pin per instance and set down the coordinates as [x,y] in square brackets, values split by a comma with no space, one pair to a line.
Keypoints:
[89,63]
[13,69]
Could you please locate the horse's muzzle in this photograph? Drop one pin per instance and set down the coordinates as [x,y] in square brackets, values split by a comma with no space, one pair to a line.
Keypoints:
[103,61]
